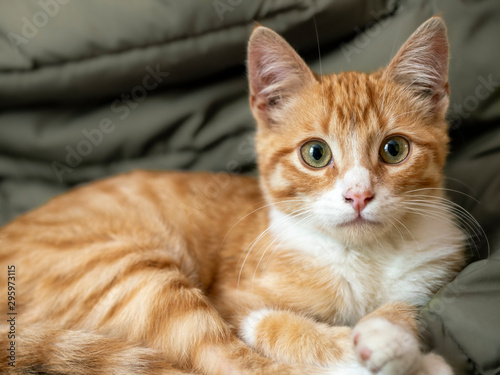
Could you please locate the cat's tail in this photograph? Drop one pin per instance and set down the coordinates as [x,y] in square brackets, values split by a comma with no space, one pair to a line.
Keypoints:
[51,352]
[57,351]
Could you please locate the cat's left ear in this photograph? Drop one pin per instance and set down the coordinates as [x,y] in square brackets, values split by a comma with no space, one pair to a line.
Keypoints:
[422,65]
[275,73]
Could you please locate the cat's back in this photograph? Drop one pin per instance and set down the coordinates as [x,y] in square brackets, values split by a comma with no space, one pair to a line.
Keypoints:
[136,217]
[122,202]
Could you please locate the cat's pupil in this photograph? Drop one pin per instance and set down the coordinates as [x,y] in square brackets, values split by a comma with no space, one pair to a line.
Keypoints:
[392,147]
[316,152]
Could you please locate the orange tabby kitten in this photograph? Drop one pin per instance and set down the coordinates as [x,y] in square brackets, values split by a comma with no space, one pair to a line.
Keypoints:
[318,267]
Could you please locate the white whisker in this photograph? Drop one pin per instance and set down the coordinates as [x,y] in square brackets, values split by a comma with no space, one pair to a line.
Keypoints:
[454,207]
[401,114]
[383,98]
[408,230]
[387,77]
[460,182]
[399,96]
[460,214]
[320,67]
[464,213]
[445,189]
[301,221]
[433,214]
[257,240]
[250,213]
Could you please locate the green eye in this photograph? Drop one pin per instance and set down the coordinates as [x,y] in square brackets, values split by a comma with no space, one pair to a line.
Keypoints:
[394,150]
[316,154]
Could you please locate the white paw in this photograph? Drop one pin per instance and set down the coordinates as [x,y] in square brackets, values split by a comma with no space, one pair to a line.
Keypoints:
[385,348]
[435,365]
[353,368]
[249,325]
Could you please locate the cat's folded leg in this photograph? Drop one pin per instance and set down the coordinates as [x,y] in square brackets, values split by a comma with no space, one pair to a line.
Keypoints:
[288,337]
[386,343]
[174,317]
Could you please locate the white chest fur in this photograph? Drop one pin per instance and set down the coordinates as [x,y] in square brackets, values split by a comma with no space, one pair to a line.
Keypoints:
[400,268]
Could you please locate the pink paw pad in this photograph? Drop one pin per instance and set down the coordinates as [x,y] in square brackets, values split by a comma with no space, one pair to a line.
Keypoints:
[356,339]
[365,354]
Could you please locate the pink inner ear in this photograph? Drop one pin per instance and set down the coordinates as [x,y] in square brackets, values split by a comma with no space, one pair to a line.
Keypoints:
[269,73]
[272,70]
[275,70]
[422,62]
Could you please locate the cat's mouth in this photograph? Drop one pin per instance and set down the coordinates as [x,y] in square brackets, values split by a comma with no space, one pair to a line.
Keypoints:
[358,222]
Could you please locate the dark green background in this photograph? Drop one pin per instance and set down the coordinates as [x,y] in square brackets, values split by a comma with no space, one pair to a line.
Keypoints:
[61,72]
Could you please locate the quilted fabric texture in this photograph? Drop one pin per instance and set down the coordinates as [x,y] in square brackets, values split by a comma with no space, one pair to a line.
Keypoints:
[94,88]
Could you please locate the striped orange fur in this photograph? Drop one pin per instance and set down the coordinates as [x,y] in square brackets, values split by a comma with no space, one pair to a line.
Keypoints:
[306,270]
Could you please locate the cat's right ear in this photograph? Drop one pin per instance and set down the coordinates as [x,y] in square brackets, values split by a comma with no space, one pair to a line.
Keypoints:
[275,73]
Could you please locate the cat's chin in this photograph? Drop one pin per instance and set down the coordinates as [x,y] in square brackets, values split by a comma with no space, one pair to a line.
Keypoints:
[358,231]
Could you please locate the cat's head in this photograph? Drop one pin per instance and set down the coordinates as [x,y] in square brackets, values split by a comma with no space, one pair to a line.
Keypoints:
[344,152]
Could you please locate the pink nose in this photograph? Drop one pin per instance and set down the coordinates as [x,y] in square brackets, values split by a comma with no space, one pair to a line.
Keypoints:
[358,199]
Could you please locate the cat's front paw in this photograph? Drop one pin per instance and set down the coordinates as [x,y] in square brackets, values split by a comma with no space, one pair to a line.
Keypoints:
[434,364]
[385,348]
